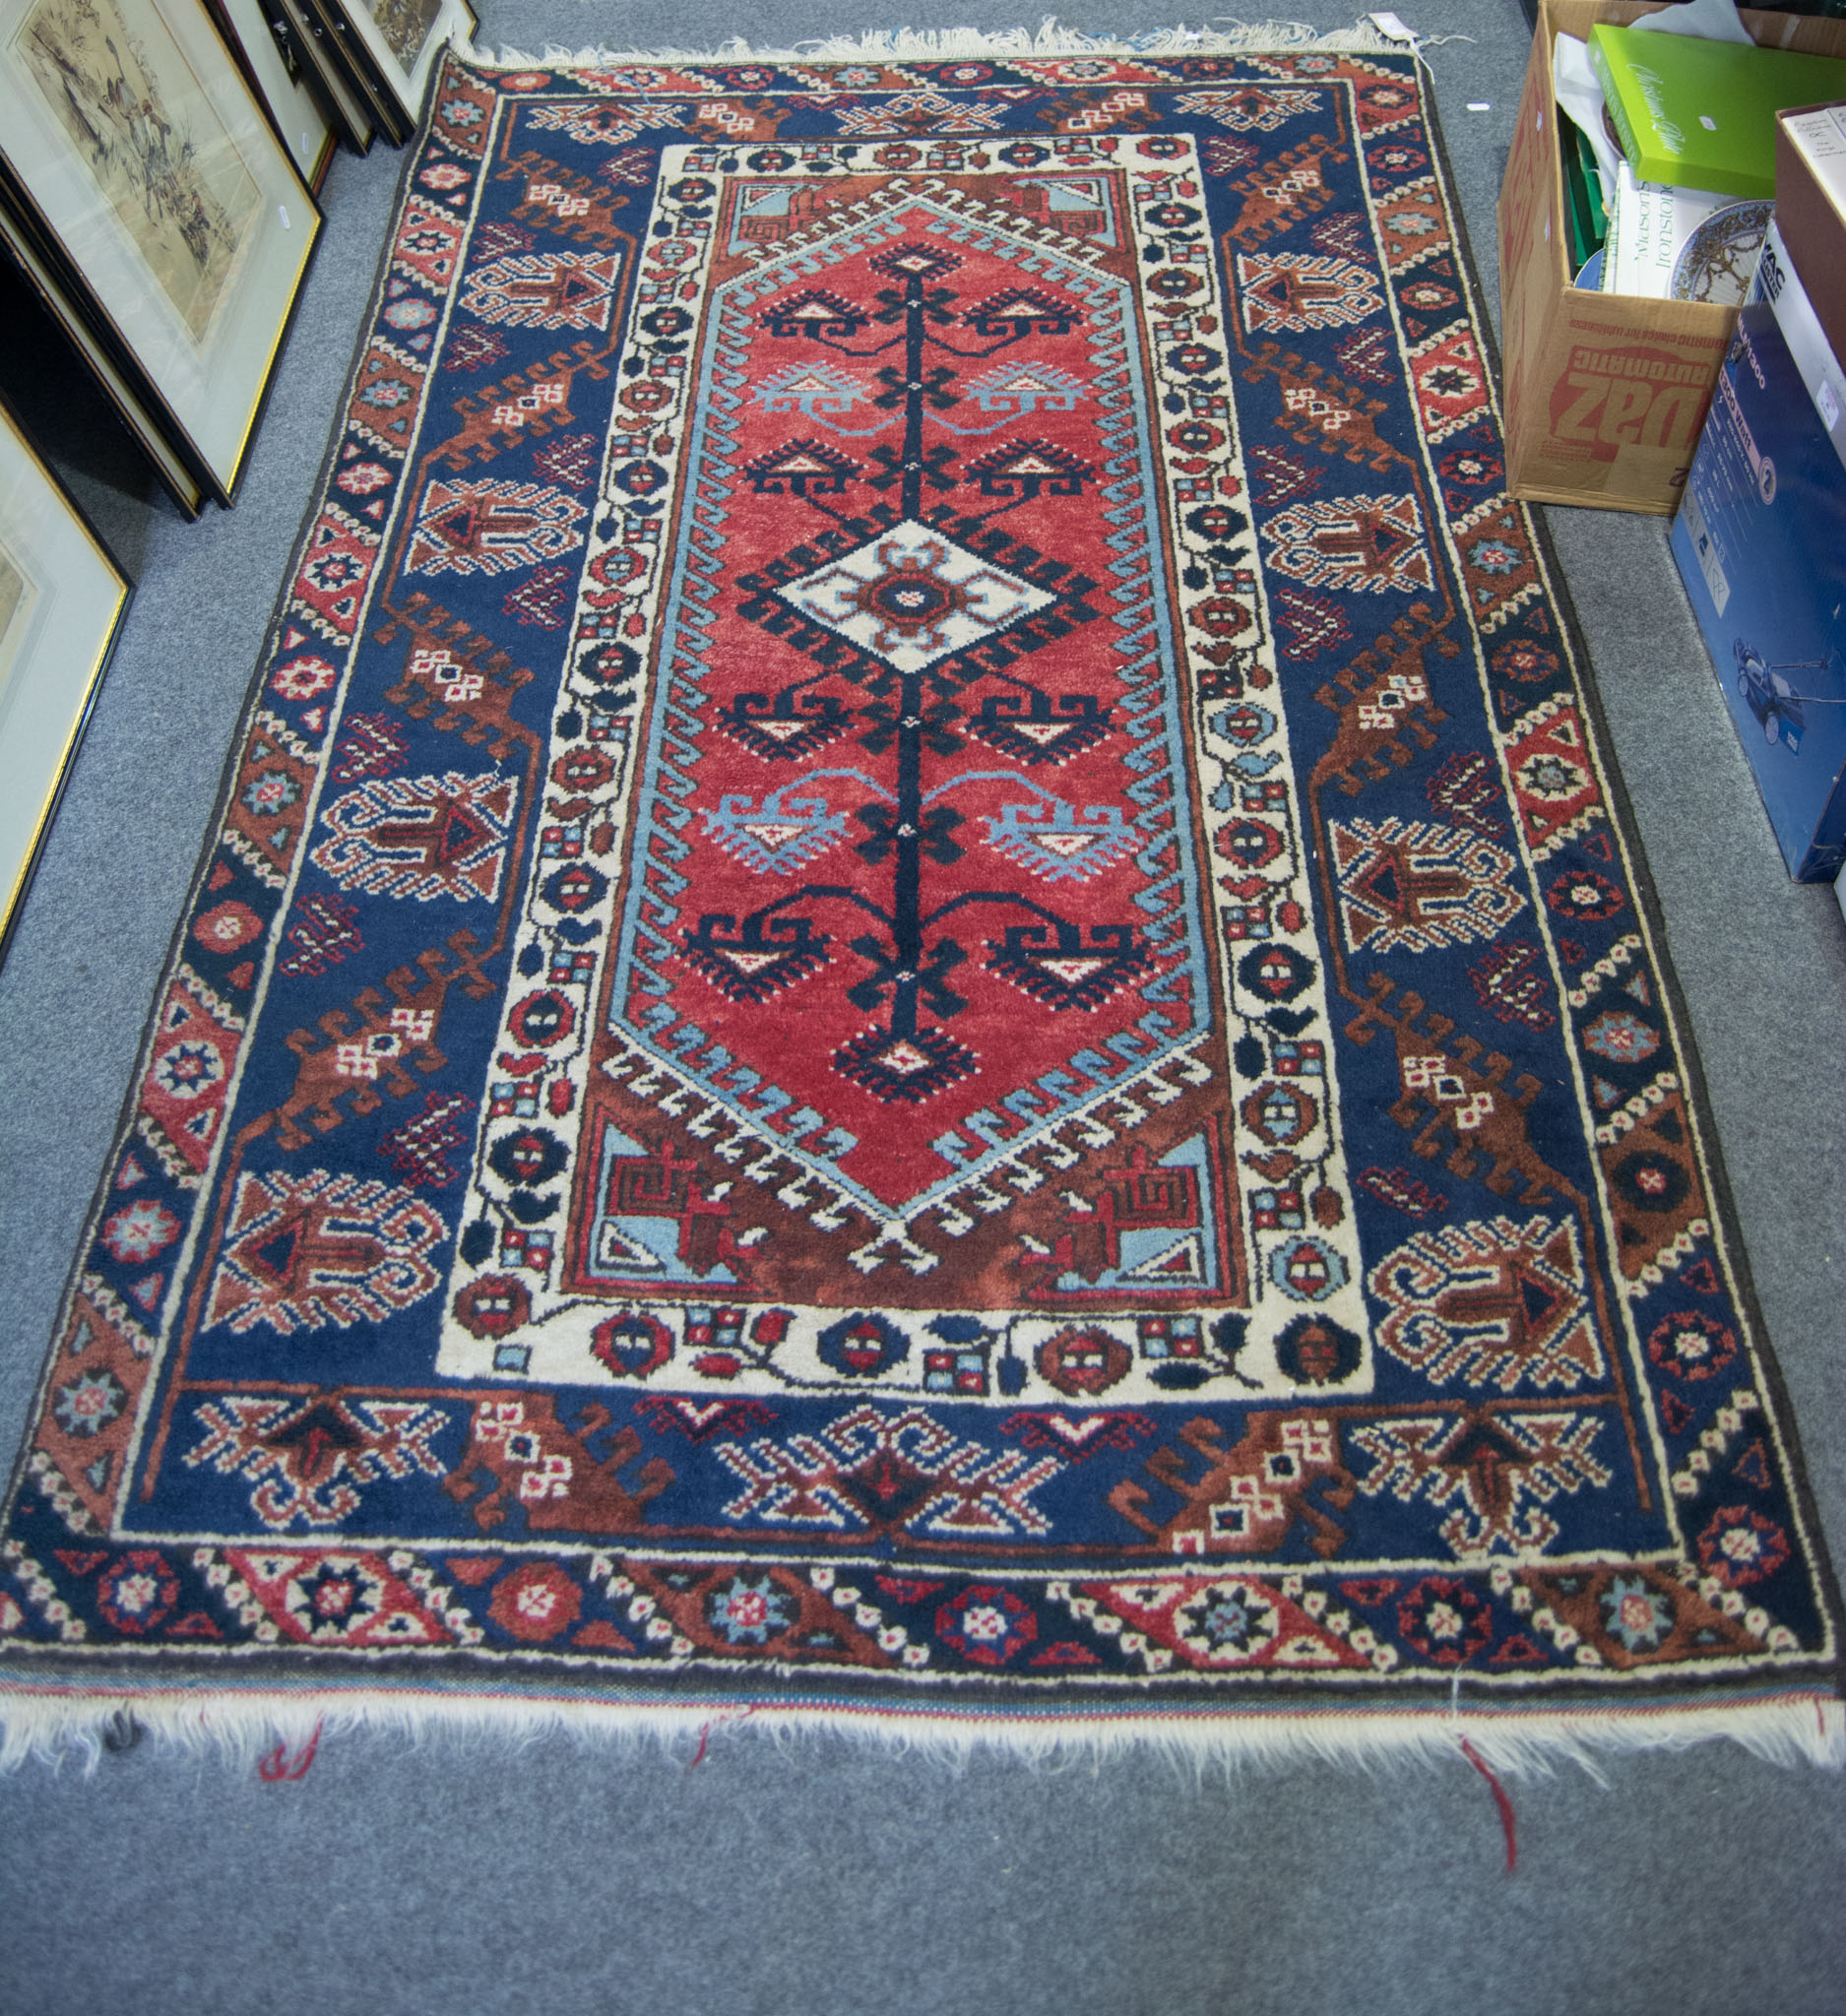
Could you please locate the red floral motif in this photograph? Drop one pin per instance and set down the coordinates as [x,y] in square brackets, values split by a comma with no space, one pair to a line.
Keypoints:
[536,1602]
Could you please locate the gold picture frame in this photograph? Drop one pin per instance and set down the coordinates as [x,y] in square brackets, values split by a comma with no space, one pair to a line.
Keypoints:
[144,427]
[392,47]
[62,600]
[286,83]
[338,43]
[353,117]
[173,217]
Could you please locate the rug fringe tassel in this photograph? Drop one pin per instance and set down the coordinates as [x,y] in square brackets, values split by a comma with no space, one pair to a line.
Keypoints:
[1052,39]
[240,1729]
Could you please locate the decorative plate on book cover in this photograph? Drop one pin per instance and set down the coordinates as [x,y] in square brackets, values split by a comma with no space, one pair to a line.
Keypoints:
[1718,262]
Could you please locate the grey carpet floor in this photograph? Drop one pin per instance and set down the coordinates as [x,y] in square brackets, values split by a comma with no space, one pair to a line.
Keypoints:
[564,1878]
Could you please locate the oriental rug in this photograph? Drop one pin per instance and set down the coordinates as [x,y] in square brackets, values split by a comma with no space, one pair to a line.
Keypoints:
[920,1001]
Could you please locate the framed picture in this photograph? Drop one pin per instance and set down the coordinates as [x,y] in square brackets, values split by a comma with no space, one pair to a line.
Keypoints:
[340,44]
[353,117]
[176,477]
[284,80]
[62,597]
[171,212]
[396,42]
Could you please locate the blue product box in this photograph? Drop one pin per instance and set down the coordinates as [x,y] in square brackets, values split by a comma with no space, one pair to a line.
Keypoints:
[1761,540]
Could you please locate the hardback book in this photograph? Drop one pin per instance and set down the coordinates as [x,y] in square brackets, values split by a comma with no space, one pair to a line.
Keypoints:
[1818,134]
[1649,228]
[1811,208]
[1701,114]
[1579,236]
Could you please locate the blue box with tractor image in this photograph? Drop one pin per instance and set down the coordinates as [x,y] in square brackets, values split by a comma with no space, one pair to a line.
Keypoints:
[1760,540]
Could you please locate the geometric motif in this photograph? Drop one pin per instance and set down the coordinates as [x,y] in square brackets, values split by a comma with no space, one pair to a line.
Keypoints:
[370,745]
[1278,475]
[1367,356]
[1499,564]
[269,800]
[592,124]
[1295,290]
[1247,1498]
[918,112]
[488,527]
[1310,624]
[418,1151]
[1467,789]
[322,934]
[1373,544]
[1411,225]
[318,1248]
[1511,981]
[1492,1304]
[182,1096]
[332,1600]
[1450,383]
[1247,108]
[913,597]
[1413,887]
[987,1626]
[420,837]
[1554,785]
[473,348]
[873,1473]
[428,242]
[1741,1546]
[544,290]
[1218,1623]
[385,401]
[136,1592]
[1491,1467]
[334,571]
[777,835]
[544,598]
[568,459]
[1055,840]
[309,1459]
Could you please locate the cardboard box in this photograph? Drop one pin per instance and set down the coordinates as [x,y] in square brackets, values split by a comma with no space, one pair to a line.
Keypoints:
[1605,394]
[1760,542]
[1811,209]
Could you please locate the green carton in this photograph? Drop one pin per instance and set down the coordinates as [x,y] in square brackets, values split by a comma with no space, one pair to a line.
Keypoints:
[1701,114]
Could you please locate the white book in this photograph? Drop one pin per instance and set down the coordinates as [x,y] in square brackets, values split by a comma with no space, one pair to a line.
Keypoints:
[1647,229]
[1820,138]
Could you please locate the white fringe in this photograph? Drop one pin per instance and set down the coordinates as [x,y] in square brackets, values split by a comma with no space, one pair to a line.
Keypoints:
[238,1727]
[1051,39]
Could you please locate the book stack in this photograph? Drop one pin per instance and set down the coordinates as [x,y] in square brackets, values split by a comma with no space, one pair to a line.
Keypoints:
[1695,122]
[1699,115]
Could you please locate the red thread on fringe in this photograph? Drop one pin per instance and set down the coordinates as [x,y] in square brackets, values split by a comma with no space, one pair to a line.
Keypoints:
[279,1768]
[1500,1800]
[705,1733]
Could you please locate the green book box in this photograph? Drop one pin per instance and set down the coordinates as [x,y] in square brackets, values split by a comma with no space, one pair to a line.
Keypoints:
[1701,114]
